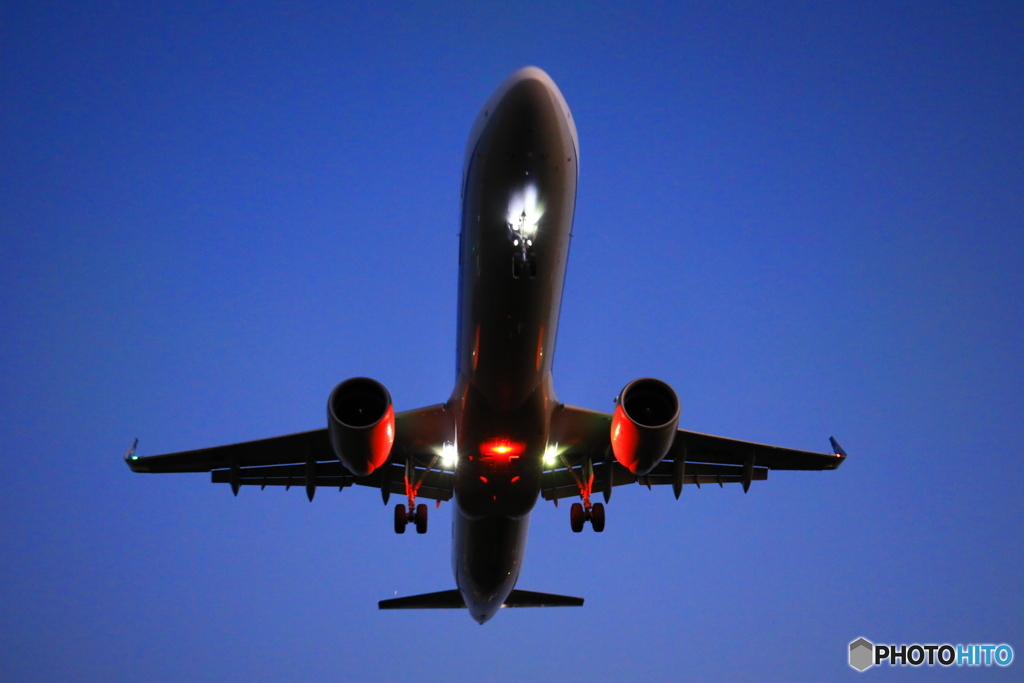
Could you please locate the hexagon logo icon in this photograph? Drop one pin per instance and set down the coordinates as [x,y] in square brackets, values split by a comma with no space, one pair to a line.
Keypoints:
[862,654]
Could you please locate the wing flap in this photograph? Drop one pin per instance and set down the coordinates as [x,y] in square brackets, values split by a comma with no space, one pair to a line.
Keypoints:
[563,486]
[706,474]
[437,484]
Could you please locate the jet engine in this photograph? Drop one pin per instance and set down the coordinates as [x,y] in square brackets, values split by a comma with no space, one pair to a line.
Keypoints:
[361,422]
[644,424]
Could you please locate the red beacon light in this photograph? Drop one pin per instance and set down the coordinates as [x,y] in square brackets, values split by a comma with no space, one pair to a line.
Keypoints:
[502,448]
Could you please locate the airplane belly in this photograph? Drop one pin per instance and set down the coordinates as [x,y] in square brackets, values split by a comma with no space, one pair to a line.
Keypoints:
[519,195]
[500,455]
[487,556]
[518,203]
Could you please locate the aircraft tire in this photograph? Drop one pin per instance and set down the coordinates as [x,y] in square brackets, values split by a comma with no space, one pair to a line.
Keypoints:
[577,518]
[597,517]
[421,518]
[400,519]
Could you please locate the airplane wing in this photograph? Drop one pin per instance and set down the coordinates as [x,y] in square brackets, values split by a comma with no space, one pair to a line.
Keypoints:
[306,459]
[582,438]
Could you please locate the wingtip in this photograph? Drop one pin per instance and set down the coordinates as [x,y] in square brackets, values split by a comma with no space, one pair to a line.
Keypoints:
[129,456]
[836,448]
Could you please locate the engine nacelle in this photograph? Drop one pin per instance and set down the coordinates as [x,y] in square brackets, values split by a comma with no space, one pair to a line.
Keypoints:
[361,422]
[644,424]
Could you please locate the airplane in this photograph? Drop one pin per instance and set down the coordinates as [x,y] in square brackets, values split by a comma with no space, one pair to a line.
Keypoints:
[502,440]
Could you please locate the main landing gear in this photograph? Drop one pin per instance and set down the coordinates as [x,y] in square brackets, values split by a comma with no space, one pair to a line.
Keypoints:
[581,513]
[414,514]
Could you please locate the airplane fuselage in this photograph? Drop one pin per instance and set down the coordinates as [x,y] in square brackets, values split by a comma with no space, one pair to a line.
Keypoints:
[518,198]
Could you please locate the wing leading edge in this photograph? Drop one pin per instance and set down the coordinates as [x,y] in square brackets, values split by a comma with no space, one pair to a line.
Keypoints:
[306,460]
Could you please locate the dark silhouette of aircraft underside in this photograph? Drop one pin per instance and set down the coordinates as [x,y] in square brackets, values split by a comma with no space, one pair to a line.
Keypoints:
[503,439]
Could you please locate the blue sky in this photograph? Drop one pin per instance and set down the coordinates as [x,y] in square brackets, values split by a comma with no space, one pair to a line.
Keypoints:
[805,217]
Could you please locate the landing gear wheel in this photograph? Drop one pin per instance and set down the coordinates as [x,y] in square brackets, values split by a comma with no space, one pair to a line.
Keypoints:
[597,517]
[577,517]
[421,518]
[400,519]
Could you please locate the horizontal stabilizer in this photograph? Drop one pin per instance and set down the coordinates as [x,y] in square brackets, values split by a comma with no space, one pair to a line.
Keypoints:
[453,600]
[440,600]
[520,598]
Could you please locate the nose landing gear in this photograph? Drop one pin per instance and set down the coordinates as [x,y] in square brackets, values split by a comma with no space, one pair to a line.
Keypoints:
[522,231]
[524,264]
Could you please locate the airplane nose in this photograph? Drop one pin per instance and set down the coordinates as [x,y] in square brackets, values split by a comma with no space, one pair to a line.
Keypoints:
[529,78]
[536,80]
[525,105]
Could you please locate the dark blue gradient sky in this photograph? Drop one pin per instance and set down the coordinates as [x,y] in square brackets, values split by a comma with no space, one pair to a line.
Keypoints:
[808,218]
